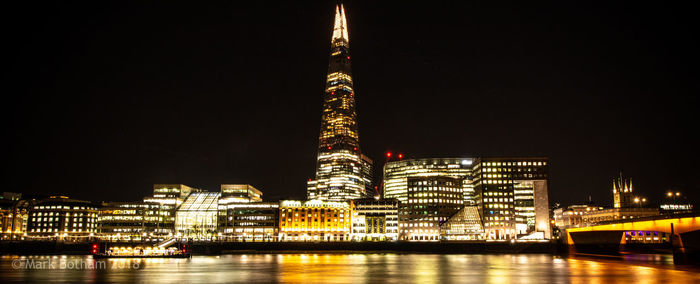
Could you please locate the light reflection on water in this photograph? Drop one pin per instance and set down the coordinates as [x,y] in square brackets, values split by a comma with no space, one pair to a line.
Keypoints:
[357,268]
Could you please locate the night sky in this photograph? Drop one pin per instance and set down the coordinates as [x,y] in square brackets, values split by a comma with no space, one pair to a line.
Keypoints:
[102,100]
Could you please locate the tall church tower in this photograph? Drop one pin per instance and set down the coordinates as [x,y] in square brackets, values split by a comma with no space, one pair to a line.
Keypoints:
[622,193]
[341,170]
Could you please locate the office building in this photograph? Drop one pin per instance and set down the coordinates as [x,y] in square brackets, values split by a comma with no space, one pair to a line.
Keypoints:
[239,193]
[133,221]
[341,173]
[375,220]
[249,222]
[60,217]
[172,194]
[396,174]
[169,197]
[511,194]
[430,202]
[197,218]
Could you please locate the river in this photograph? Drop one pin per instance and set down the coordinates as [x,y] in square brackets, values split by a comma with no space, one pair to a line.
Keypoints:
[349,268]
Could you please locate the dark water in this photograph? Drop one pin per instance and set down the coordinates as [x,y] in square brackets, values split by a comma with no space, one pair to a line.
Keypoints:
[349,268]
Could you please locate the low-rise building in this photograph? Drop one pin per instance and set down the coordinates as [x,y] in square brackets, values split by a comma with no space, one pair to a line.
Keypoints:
[249,222]
[239,193]
[613,214]
[572,216]
[315,220]
[60,217]
[13,218]
[375,219]
[133,221]
[675,203]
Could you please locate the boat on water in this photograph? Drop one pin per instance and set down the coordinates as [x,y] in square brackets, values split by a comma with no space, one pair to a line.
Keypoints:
[139,252]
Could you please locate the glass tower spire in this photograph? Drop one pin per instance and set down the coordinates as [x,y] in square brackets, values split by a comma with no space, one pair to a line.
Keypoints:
[341,171]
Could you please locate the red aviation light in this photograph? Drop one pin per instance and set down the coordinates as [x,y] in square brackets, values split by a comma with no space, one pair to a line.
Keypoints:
[354,148]
[94,246]
[329,147]
[348,57]
[400,156]
[388,154]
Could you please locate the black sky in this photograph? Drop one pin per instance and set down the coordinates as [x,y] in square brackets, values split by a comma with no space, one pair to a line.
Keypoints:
[101,100]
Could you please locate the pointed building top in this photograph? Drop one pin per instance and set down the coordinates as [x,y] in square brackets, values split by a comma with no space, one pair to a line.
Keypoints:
[340,28]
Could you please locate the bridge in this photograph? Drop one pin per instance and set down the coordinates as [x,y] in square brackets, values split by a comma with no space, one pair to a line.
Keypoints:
[681,231]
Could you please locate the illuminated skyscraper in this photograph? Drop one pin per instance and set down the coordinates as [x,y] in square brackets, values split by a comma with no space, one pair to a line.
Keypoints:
[340,170]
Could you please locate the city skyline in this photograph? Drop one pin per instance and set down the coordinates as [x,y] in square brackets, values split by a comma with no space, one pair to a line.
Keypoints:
[180,126]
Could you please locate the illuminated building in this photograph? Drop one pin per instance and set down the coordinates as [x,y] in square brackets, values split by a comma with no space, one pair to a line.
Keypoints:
[239,193]
[625,206]
[465,225]
[622,193]
[60,217]
[512,197]
[341,173]
[172,194]
[257,221]
[367,174]
[430,202]
[133,221]
[12,196]
[572,216]
[375,219]
[169,197]
[14,214]
[612,214]
[314,220]
[197,217]
[675,203]
[396,174]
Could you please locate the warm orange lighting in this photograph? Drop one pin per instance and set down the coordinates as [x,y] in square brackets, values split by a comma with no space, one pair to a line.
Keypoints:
[669,194]
[678,193]
[636,200]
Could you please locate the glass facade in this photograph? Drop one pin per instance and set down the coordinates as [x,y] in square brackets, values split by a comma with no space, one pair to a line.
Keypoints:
[465,225]
[396,174]
[197,217]
[341,173]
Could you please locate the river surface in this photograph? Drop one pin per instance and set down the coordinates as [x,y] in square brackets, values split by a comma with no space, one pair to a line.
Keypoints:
[349,268]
